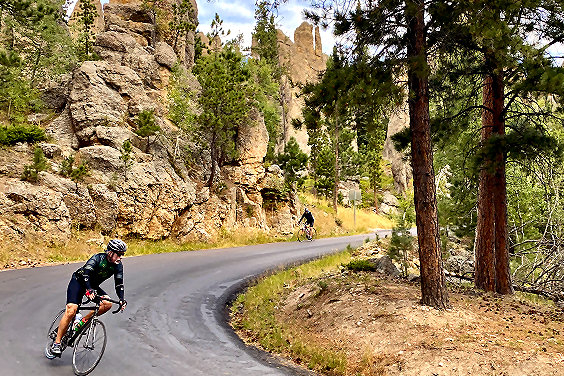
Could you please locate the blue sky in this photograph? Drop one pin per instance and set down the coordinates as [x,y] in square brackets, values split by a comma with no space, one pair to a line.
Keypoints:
[239,18]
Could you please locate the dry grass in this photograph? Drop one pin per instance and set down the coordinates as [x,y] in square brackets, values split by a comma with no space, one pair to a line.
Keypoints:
[326,221]
[85,243]
[371,325]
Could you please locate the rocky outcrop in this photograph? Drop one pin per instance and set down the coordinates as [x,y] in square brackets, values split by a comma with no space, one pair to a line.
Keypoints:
[148,193]
[30,212]
[401,169]
[98,24]
[305,61]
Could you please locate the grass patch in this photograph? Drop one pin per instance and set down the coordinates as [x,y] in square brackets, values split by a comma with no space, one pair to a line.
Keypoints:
[253,314]
[84,244]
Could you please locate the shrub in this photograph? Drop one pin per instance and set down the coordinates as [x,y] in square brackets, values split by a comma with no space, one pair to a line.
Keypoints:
[361,266]
[39,164]
[21,133]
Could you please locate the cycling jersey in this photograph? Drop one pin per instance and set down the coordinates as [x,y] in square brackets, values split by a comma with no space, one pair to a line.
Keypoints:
[97,269]
[308,218]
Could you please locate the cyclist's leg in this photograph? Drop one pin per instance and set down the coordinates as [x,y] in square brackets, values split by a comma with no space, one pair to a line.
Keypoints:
[74,296]
[105,306]
[66,319]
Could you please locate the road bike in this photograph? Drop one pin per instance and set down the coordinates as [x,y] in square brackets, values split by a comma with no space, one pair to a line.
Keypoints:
[89,342]
[306,233]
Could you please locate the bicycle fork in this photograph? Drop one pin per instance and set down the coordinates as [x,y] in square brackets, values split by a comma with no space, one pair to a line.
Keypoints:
[90,335]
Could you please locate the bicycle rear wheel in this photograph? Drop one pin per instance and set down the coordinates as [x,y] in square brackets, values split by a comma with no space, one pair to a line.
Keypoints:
[52,334]
[89,348]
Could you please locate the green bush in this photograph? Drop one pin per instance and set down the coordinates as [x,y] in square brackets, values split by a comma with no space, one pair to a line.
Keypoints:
[361,266]
[31,172]
[21,133]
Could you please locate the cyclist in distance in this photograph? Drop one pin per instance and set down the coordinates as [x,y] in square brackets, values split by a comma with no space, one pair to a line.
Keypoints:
[86,281]
[308,220]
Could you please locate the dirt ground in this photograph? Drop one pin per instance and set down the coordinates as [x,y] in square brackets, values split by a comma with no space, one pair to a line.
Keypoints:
[383,330]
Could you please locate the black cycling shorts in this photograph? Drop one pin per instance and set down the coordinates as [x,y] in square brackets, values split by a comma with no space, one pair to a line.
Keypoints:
[309,223]
[76,291]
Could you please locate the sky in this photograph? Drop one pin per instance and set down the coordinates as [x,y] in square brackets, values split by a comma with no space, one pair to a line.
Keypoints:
[239,18]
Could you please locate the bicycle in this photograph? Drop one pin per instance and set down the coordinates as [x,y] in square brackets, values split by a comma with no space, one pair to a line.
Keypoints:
[89,342]
[306,233]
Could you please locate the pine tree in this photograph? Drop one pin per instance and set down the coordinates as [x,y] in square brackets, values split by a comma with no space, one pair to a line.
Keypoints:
[182,23]
[86,18]
[225,101]
[400,32]
[492,38]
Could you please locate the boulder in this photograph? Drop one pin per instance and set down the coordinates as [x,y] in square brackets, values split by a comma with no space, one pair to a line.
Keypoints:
[164,54]
[104,94]
[33,212]
[106,207]
[385,265]
[75,196]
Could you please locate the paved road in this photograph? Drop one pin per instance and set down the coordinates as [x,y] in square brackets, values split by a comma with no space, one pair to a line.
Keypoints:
[174,323]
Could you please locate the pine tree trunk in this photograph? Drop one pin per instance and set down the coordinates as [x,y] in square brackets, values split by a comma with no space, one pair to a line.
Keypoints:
[491,252]
[484,245]
[433,287]
[337,177]
[213,160]
[502,272]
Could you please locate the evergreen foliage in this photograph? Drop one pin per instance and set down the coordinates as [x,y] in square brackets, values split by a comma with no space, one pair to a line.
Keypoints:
[293,162]
[76,174]
[225,101]
[39,164]
[126,157]
[34,47]
[86,18]
[12,135]
[146,126]
[401,242]
[271,103]
[181,24]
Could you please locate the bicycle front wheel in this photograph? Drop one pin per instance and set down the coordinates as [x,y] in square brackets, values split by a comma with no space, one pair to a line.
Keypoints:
[89,348]
[301,234]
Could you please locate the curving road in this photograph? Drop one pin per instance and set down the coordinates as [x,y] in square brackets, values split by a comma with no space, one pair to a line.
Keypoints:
[175,323]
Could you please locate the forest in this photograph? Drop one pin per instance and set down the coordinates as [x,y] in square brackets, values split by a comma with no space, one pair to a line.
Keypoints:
[480,80]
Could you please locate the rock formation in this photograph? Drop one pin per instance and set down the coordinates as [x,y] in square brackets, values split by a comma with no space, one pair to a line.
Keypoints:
[154,197]
[401,168]
[98,24]
[304,61]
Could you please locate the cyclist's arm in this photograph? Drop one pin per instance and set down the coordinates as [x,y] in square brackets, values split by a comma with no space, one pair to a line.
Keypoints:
[118,280]
[87,269]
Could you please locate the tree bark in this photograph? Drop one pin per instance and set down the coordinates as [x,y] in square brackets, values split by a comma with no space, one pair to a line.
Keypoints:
[503,276]
[484,245]
[491,252]
[213,155]
[433,287]
[337,177]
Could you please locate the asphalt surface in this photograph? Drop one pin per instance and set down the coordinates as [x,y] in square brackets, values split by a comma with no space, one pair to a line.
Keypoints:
[175,322]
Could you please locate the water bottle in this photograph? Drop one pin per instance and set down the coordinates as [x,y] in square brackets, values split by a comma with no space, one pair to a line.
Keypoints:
[77,319]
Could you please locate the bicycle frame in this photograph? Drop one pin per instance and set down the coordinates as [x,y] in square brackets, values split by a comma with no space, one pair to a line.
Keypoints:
[88,324]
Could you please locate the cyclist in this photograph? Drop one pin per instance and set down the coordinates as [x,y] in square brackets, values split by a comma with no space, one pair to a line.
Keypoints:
[308,220]
[86,281]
